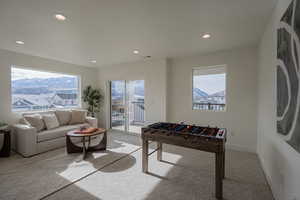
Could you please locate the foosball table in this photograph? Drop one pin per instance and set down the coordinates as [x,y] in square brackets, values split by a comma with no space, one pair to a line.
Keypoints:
[210,139]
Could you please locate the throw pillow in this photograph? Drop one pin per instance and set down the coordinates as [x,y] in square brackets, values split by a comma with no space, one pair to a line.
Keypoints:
[24,121]
[78,117]
[35,120]
[63,116]
[51,121]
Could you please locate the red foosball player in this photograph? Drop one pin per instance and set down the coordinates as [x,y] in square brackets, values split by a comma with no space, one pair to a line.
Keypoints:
[188,128]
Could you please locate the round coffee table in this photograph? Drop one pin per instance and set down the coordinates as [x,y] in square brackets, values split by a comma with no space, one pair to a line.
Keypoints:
[72,148]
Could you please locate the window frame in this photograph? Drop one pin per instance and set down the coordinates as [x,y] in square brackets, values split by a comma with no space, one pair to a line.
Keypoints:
[79,106]
[224,66]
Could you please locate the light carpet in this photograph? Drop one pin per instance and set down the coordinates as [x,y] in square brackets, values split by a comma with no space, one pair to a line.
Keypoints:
[116,174]
[35,177]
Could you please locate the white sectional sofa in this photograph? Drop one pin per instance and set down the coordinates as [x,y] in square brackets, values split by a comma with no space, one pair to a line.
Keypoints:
[31,141]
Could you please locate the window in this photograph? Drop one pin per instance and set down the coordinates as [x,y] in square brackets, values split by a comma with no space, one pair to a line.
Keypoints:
[209,88]
[37,90]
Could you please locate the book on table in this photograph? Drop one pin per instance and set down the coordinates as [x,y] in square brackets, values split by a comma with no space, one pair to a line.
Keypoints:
[86,131]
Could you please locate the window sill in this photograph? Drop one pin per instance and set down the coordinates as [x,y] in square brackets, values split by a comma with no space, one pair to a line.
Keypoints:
[200,110]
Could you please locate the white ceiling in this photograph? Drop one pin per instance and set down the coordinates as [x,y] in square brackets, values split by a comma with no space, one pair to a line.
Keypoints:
[109,30]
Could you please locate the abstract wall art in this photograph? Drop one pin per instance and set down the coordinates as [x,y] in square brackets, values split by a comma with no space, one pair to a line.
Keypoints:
[288,75]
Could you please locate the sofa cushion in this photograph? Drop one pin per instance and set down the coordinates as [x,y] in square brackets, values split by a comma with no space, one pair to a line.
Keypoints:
[24,121]
[51,121]
[58,132]
[63,116]
[35,120]
[78,116]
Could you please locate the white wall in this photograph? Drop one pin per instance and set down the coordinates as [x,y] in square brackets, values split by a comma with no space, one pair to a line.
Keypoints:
[241,89]
[154,74]
[168,89]
[281,162]
[168,92]
[7,59]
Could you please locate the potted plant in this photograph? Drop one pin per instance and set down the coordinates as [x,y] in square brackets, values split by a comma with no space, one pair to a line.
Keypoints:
[93,98]
[3,125]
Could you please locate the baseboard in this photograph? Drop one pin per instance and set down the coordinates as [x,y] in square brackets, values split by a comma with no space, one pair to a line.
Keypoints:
[228,146]
[268,178]
[240,148]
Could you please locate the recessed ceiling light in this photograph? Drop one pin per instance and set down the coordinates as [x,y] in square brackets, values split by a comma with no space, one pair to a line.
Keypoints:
[93,61]
[20,42]
[60,17]
[206,36]
[136,52]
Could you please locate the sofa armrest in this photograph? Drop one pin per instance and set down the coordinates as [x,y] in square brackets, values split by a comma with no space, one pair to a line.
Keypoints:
[26,139]
[92,121]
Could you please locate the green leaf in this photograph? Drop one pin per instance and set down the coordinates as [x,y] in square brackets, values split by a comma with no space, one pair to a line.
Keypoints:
[93,98]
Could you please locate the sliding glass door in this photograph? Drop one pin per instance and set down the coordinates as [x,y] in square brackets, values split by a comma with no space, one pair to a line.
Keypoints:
[118,105]
[127,105]
[135,105]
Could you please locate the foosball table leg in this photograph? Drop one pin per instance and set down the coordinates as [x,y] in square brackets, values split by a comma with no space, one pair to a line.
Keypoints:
[219,176]
[159,151]
[145,156]
[223,163]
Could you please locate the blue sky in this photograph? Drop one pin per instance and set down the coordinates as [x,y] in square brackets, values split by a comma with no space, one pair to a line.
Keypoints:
[210,83]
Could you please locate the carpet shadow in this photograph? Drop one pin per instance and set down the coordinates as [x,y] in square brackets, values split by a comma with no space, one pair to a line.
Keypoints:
[192,177]
[131,159]
[48,172]
[77,193]
[171,163]
[157,176]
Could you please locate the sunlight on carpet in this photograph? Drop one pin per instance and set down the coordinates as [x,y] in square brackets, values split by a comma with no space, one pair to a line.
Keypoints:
[80,168]
[118,181]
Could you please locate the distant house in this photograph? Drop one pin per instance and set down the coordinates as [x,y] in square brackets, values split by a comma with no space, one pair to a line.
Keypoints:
[30,102]
[22,104]
[218,97]
[65,99]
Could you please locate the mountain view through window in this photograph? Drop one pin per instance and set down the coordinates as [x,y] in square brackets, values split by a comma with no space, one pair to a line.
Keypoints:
[209,90]
[38,90]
